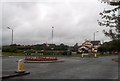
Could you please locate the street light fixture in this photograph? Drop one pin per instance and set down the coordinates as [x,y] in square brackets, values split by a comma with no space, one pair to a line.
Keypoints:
[94,35]
[12,35]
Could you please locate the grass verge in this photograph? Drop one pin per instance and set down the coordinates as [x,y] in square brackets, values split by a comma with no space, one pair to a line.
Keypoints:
[76,55]
[116,59]
[12,54]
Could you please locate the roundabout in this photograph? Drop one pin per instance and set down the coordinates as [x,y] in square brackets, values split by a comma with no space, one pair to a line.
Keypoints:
[42,60]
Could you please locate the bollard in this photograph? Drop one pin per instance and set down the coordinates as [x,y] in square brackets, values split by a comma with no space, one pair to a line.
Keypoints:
[95,55]
[82,55]
[21,66]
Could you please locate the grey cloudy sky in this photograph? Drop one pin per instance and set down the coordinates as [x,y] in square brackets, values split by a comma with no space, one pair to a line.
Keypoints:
[74,21]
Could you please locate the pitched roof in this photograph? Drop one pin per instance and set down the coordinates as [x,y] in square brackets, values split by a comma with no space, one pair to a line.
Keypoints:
[95,42]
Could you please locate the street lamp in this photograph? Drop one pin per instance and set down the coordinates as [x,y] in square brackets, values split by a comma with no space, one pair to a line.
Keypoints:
[12,35]
[52,39]
[94,35]
[52,33]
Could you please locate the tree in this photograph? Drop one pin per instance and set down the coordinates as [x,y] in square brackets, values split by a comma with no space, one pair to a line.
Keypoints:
[63,47]
[111,18]
[110,46]
[75,47]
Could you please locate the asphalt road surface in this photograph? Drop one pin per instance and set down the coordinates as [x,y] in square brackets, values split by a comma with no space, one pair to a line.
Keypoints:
[71,68]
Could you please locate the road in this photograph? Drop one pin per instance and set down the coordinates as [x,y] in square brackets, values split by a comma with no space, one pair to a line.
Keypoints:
[71,68]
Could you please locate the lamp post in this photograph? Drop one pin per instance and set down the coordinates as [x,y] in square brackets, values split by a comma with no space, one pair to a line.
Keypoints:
[94,35]
[12,35]
[52,33]
[52,39]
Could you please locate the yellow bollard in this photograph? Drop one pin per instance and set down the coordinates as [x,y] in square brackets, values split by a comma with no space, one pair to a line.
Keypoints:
[82,55]
[21,66]
[95,55]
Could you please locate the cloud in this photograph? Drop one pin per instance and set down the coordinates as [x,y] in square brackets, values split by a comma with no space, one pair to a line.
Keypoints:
[73,21]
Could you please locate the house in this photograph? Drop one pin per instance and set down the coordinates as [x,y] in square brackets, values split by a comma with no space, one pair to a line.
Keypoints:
[89,47]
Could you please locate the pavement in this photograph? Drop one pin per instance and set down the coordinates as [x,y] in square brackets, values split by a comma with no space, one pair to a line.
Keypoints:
[71,68]
[9,74]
